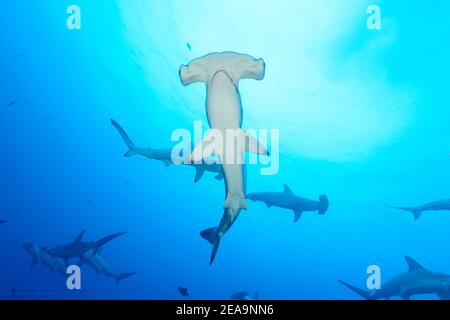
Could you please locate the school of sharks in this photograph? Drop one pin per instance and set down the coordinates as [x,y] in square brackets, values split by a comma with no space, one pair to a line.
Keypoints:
[221,74]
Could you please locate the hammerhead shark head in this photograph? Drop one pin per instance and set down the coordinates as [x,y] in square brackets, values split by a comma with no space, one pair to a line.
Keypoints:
[165,155]
[245,296]
[56,265]
[417,280]
[221,73]
[78,248]
[288,200]
[441,205]
[96,262]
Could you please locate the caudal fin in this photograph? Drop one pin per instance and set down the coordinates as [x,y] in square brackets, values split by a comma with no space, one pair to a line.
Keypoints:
[417,213]
[210,235]
[122,276]
[214,250]
[130,144]
[100,243]
[323,204]
[362,293]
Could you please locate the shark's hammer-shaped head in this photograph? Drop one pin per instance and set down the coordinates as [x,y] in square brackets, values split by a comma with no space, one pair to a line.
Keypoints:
[237,66]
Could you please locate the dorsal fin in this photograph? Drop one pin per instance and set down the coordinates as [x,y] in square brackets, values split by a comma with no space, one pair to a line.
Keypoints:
[413,265]
[287,189]
[79,238]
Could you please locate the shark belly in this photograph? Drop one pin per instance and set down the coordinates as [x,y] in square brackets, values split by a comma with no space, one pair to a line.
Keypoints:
[224,115]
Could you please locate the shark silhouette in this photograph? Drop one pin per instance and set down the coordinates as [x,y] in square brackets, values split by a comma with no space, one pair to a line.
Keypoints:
[441,205]
[245,296]
[56,265]
[96,262]
[288,200]
[417,280]
[78,248]
[165,155]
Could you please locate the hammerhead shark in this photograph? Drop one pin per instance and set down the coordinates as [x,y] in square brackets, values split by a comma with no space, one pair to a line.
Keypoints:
[56,265]
[417,280]
[78,248]
[221,73]
[165,155]
[3,221]
[245,296]
[288,200]
[96,262]
[441,205]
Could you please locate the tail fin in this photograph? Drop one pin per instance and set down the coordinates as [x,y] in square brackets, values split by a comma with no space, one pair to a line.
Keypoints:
[199,171]
[100,243]
[323,204]
[362,293]
[122,276]
[214,250]
[210,235]
[417,213]
[130,144]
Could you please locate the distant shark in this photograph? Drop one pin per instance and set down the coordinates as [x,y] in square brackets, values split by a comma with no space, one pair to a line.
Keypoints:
[441,205]
[417,280]
[78,248]
[183,292]
[3,221]
[245,296]
[165,155]
[56,265]
[288,200]
[221,73]
[96,262]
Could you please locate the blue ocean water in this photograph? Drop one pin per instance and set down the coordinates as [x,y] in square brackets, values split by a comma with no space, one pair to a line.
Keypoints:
[363,118]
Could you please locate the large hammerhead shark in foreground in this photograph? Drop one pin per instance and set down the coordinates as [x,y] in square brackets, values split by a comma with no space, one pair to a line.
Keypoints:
[221,73]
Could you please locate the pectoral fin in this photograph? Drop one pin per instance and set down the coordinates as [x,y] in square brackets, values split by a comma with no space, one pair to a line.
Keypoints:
[204,148]
[252,144]
[297,215]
